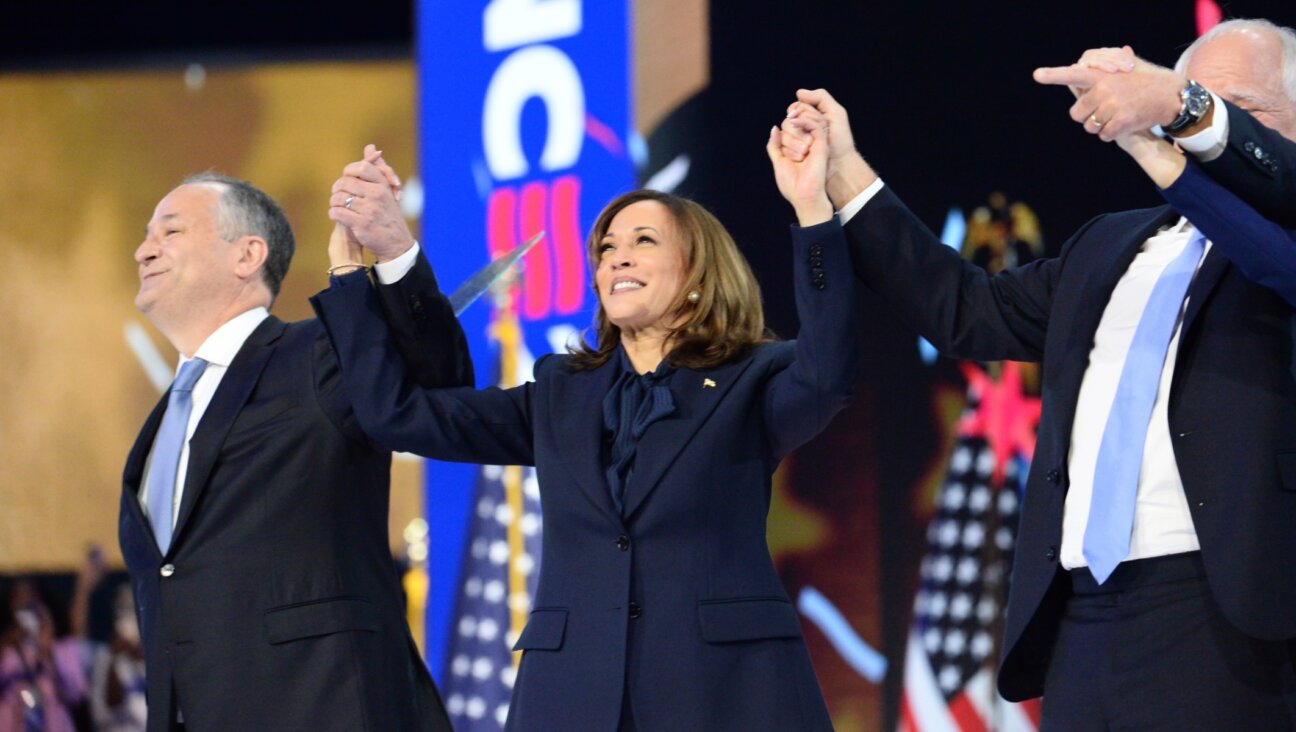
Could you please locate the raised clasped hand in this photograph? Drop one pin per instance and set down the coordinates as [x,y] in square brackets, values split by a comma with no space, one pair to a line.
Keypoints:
[803,181]
[1116,92]
[365,206]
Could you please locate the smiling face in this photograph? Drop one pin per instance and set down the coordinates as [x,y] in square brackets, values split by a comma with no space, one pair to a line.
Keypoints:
[184,263]
[1245,67]
[642,266]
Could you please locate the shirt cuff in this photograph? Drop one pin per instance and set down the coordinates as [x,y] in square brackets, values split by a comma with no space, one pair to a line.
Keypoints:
[1210,142]
[392,271]
[850,209]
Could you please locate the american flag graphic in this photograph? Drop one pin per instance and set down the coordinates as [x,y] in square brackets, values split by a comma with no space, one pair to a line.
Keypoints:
[952,651]
[501,566]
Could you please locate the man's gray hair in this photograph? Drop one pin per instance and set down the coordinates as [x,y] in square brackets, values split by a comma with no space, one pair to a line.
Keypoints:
[245,210]
[1286,36]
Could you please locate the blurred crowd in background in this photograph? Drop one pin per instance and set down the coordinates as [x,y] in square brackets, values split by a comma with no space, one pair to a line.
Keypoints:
[70,656]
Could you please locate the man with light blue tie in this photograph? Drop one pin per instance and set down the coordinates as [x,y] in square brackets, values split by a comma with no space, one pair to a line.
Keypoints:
[254,511]
[1154,580]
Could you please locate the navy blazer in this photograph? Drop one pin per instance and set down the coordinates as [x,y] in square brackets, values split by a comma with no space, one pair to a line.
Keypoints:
[676,601]
[1232,409]
[277,605]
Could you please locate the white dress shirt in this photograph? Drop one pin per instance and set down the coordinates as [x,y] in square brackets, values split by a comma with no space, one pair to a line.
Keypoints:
[1162,522]
[391,271]
[218,351]
[1207,144]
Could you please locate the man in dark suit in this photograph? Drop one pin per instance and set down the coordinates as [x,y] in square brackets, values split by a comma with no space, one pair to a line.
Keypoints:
[254,512]
[1155,573]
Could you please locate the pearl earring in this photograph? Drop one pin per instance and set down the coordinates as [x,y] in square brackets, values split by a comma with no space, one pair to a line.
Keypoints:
[694,296]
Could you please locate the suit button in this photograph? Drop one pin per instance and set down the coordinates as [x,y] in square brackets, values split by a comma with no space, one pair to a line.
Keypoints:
[816,250]
[1051,554]
[1259,153]
[167,570]
[1053,476]
[623,543]
[635,610]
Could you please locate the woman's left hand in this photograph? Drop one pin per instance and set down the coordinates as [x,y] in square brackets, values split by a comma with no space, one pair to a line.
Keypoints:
[803,183]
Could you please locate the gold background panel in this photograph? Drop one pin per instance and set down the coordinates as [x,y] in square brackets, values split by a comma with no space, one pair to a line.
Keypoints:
[87,156]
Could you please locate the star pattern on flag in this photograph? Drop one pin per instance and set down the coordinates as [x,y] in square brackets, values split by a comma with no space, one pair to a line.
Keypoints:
[969,543]
[480,672]
[948,674]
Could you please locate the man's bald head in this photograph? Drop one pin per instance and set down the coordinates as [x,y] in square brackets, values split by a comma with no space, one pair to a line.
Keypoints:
[1251,63]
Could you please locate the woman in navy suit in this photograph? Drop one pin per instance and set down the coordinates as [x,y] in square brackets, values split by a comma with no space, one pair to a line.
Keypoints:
[658,606]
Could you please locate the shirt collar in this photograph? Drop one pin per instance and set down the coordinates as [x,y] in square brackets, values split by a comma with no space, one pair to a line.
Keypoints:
[224,343]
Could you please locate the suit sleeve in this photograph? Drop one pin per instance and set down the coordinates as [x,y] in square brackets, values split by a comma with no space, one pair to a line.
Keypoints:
[460,424]
[426,332]
[802,398]
[1262,250]
[956,305]
[1259,166]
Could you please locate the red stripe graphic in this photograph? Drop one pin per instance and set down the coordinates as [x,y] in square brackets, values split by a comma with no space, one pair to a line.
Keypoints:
[558,259]
[569,250]
[538,280]
[501,221]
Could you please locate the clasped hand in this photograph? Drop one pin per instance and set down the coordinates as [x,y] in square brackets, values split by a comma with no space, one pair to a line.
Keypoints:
[1117,93]
[365,208]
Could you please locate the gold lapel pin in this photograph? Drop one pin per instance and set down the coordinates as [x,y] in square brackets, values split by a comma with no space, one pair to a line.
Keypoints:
[707,383]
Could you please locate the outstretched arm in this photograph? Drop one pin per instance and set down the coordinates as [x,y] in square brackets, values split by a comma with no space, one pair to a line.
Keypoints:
[365,209]
[1118,94]
[952,303]
[802,398]
[463,424]
[1262,250]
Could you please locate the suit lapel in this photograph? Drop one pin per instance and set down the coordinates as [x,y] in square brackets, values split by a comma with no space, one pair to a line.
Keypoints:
[1108,265]
[696,394]
[1208,276]
[577,410]
[235,388]
[133,476]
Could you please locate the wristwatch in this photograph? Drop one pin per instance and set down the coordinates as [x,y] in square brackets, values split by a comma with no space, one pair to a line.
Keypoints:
[1195,102]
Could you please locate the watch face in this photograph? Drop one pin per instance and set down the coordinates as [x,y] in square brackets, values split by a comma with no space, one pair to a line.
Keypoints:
[1196,101]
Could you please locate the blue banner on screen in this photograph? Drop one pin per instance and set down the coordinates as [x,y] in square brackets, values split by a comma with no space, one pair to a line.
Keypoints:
[524,122]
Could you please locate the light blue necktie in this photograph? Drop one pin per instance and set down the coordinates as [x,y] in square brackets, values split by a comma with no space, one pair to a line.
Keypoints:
[166,450]
[1120,454]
